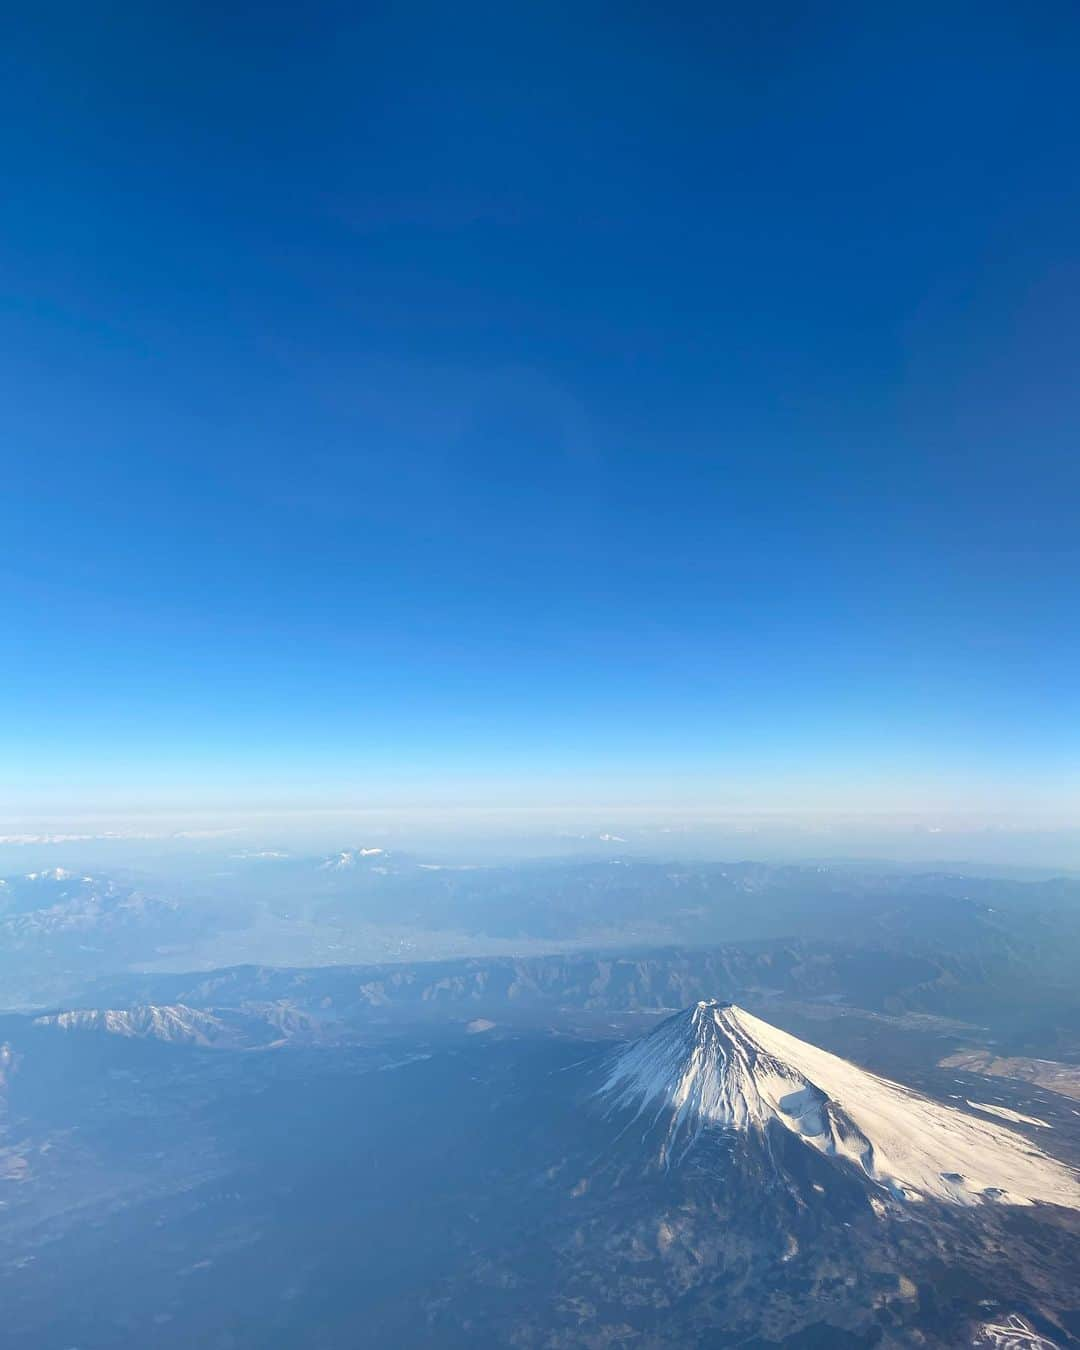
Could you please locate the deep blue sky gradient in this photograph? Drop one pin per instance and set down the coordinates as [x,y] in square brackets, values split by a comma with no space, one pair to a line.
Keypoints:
[540,403]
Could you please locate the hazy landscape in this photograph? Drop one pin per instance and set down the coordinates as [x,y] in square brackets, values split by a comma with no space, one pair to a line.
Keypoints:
[444,1151]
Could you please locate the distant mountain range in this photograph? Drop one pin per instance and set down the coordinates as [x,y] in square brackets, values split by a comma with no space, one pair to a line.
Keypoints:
[59,927]
[936,942]
[57,901]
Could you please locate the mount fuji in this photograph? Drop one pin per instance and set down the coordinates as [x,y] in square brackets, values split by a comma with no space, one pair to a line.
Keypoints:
[716,1067]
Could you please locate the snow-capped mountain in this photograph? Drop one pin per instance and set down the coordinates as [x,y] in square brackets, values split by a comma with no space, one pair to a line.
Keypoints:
[175,1023]
[350,858]
[257,1026]
[715,1067]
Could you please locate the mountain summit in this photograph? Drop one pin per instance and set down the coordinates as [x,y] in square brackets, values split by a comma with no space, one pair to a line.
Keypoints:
[716,1067]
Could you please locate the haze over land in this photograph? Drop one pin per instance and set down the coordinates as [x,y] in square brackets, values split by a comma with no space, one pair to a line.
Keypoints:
[559,1149]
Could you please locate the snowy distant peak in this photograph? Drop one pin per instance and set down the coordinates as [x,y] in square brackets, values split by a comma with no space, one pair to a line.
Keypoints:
[349,858]
[716,1066]
[170,1022]
[254,1026]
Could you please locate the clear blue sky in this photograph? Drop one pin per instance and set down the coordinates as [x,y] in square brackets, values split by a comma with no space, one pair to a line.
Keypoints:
[540,403]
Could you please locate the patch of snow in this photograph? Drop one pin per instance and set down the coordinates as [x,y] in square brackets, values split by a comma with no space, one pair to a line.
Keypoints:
[401,1063]
[1014,1333]
[348,858]
[1005,1113]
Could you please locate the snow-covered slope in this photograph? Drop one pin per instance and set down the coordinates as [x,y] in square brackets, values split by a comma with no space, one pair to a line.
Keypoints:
[717,1066]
